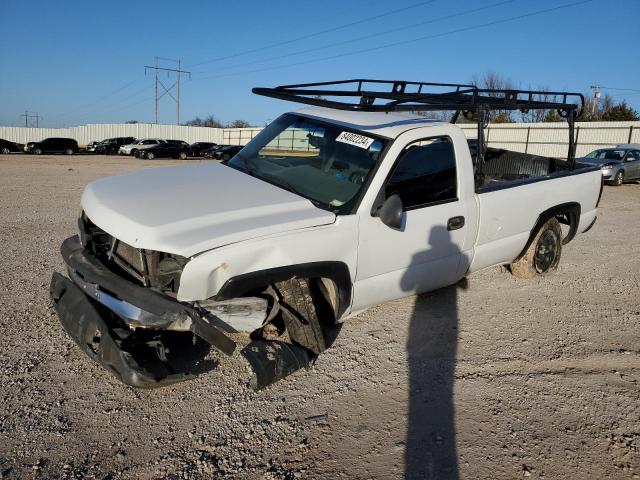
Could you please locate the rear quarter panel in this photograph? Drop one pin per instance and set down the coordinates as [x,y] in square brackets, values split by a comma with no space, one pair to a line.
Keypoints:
[507,216]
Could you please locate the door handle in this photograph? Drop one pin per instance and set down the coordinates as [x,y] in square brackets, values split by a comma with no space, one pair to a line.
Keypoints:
[454,223]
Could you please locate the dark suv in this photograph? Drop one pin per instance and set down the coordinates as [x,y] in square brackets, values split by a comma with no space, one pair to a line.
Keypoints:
[53,145]
[110,146]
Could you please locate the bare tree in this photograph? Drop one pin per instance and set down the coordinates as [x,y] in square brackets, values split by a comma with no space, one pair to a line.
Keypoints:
[238,124]
[209,121]
[493,81]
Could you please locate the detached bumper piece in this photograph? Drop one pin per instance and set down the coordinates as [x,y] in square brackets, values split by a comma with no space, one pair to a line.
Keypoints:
[142,337]
[143,359]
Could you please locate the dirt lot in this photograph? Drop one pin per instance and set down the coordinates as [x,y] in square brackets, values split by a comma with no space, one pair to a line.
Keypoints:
[503,379]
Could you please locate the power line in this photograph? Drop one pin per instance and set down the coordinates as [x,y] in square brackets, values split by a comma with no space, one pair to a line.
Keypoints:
[404,42]
[315,34]
[622,89]
[102,98]
[364,37]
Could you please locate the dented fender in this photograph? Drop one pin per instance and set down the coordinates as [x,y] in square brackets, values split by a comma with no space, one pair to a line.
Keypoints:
[204,275]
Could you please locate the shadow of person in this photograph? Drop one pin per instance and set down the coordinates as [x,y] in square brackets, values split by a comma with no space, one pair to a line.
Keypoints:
[430,447]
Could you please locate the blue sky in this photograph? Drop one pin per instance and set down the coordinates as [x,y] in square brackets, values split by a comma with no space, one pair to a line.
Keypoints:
[79,62]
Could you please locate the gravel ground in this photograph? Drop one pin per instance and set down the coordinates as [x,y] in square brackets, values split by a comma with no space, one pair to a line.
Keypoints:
[500,378]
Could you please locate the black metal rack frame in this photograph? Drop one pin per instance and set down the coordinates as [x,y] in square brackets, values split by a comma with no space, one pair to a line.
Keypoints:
[404,96]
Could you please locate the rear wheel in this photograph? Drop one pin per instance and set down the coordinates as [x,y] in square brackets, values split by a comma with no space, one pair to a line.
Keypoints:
[543,255]
[182,156]
[5,150]
[619,178]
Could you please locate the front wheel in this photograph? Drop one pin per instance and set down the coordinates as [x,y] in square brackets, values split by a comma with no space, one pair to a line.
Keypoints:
[543,255]
[133,153]
[619,178]
[38,151]
[182,156]
[150,156]
[68,151]
[5,150]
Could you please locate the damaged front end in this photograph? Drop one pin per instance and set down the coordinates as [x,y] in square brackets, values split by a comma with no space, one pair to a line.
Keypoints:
[124,316]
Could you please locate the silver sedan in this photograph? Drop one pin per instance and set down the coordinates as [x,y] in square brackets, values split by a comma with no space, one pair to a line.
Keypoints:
[618,164]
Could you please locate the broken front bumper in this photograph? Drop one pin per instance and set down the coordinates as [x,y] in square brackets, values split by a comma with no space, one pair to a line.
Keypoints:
[138,334]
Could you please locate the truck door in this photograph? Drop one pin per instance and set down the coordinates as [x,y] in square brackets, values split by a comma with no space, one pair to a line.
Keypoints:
[427,251]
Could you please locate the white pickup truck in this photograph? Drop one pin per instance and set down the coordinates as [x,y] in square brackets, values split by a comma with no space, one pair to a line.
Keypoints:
[326,212]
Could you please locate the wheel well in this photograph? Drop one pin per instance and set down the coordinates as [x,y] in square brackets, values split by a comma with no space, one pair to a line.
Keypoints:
[566,213]
[333,278]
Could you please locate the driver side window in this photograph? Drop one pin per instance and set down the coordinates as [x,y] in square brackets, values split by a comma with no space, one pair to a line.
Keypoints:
[425,174]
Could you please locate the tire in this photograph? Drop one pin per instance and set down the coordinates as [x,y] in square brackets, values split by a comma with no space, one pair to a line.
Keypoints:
[38,151]
[543,255]
[5,150]
[68,151]
[619,178]
[150,156]
[182,156]
[300,315]
[225,157]
[133,153]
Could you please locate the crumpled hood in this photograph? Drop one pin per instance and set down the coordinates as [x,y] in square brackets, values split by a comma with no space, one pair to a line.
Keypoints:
[190,209]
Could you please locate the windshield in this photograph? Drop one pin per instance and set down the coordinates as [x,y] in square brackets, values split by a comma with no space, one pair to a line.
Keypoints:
[607,154]
[325,163]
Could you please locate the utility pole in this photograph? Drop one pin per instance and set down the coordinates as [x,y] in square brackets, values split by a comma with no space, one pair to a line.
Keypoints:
[596,97]
[167,91]
[28,116]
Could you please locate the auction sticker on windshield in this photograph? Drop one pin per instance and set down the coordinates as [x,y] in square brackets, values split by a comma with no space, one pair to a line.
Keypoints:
[354,139]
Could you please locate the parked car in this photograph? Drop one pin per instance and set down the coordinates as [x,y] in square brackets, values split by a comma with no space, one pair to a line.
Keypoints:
[617,164]
[284,241]
[225,152]
[143,144]
[179,142]
[110,146]
[53,145]
[209,151]
[7,146]
[91,147]
[198,148]
[165,150]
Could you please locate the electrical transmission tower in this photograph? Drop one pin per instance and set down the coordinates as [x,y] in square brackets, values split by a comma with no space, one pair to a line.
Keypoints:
[29,116]
[167,91]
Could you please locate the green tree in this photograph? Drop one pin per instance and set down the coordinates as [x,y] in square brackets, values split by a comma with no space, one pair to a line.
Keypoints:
[620,113]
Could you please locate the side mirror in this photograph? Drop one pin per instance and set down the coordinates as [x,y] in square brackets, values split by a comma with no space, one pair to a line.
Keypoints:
[390,212]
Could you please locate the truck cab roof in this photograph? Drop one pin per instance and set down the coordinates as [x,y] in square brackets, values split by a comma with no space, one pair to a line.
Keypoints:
[388,125]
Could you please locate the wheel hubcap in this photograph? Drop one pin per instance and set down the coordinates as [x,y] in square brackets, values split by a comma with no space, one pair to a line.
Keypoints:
[546,251]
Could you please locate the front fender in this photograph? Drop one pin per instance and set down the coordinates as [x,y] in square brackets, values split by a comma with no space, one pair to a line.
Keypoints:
[204,275]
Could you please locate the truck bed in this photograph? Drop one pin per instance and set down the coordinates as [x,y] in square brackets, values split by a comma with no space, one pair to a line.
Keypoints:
[505,168]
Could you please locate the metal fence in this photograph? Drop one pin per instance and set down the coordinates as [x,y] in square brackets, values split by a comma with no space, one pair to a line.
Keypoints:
[95,132]
[548,139]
